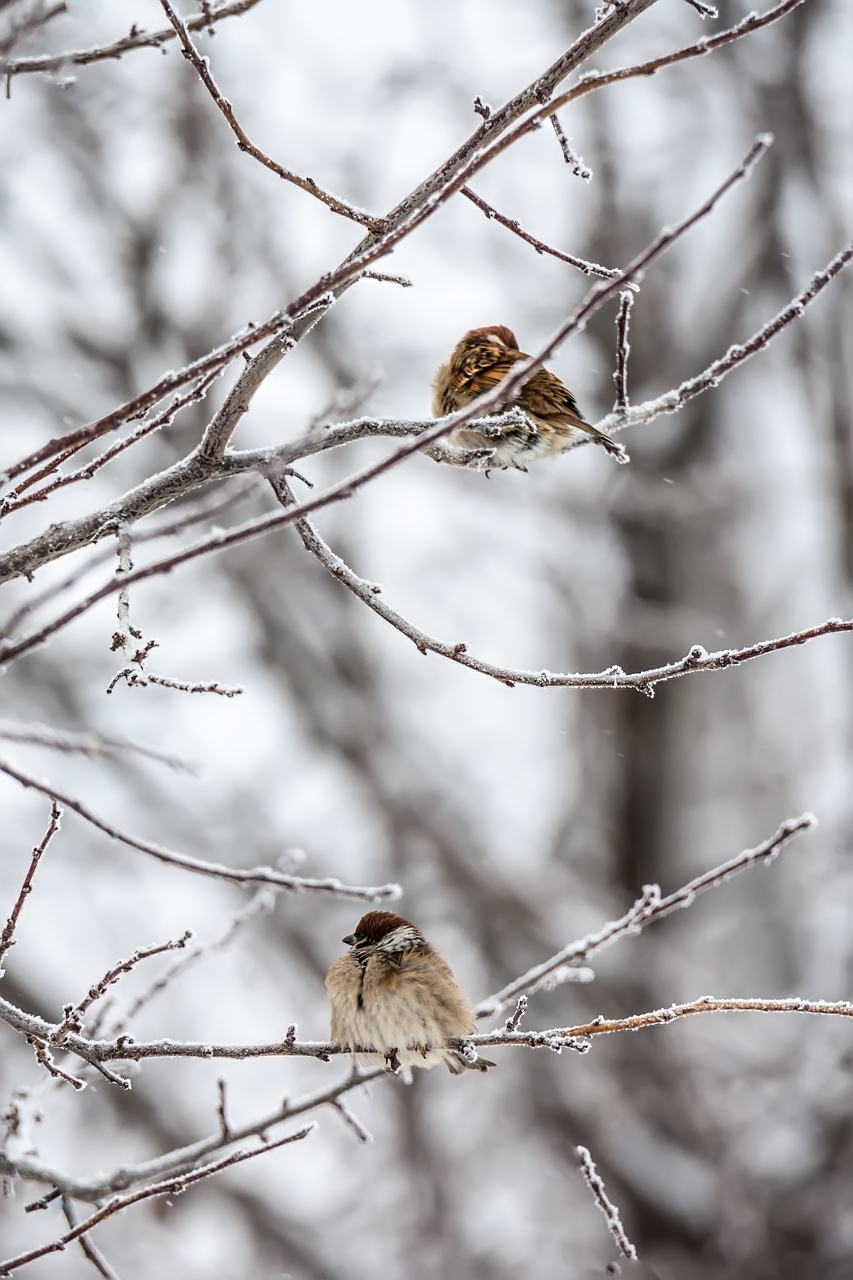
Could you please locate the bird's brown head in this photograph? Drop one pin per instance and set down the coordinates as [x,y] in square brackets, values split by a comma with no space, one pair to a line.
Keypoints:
[491,333]
[385,931]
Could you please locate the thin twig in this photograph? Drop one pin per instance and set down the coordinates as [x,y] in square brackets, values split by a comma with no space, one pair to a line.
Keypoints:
[174,1186]
[705,10]
[94,745]
[572,159]
[37,17]
[94,1255]
[254,875]
[202,67]
[588,268]
[74,1014]
[45,1059]
[7,936]
[12,501]
[184,1159]
[363,1134]
[261,903]
[623,350]
[135,40]
[135,679]
[222,1110]
[217,436]
[611,1213]
[645,911]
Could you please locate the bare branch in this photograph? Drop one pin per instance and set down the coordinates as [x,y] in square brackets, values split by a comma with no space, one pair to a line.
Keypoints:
[261,903]
[623,350]
[363,1134]
[588,268]
[45,1059]
[173,1187]
[13,500]
[254,875]
[37,17]
[646,910]
[94,745]
[94,1255]
[672,401]
[703,9]
[572,159]
[611,1213]
[219,431]
[403,281]
[751,23]
[183,1159]
[74,1014]
[710,1004]
[135,40]
[202,66]
[222,1110]
[7,936]
[191,512]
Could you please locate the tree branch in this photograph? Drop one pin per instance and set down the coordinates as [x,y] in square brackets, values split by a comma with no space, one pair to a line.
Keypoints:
[135,40]
[254,875]
[202,66]
[645,911]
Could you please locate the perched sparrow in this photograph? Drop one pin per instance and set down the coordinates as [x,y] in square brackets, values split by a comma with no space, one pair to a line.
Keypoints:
[480,361]
[393,992]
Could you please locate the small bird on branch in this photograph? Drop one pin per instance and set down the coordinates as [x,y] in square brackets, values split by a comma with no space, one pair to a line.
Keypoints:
[480,361]
[393,998]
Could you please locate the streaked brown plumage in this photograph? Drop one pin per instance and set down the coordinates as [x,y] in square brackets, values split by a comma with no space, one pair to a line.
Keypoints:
[392,991]
[479,362]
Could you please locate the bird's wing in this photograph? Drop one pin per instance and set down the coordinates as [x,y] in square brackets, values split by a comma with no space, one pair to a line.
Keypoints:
[482,368]
[547,397]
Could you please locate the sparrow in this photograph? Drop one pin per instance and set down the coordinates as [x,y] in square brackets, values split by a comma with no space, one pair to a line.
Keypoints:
[479,362]
[393,997]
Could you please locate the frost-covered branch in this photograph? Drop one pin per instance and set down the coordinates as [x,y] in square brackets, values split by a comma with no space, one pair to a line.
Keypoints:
[588,268]
[202,67]
[203,463]
[94,745]
[646,910]
[611,1214]
[253,875]
[7,939]
[737,354]
[173,1186]
[211,14]
[182,1159]
[623,350]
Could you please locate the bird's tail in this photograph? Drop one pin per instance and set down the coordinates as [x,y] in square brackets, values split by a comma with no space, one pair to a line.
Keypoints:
[606,442]
[457,1063]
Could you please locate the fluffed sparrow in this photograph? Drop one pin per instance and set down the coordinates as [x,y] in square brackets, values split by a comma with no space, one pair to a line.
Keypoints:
[393,994]
[479,362]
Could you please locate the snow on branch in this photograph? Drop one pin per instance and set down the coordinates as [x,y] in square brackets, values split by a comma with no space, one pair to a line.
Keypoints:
[136,39]
[27,559]
[646,910]
[183,1159]
[202,66]
[588,268]
[611,1214]
[253,875]
[737,354]
[170,1187]
[7,939]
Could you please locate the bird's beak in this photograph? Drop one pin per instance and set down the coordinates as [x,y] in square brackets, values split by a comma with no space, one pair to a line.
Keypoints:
[349,940]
